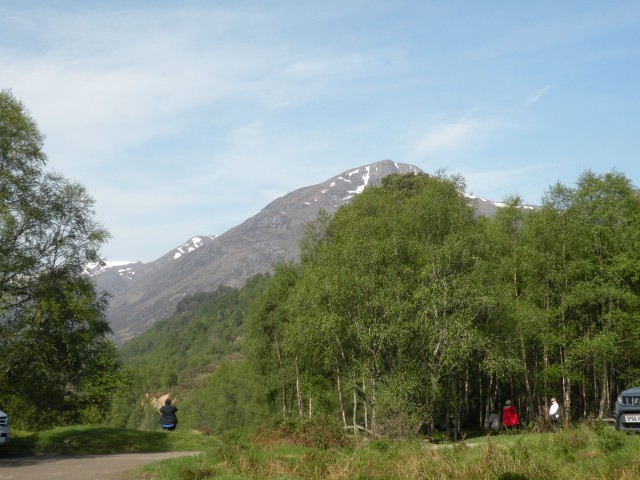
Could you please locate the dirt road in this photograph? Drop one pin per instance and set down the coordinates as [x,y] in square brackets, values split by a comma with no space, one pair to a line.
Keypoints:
[78,467]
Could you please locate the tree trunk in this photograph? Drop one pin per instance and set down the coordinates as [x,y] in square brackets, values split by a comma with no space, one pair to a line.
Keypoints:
[283,388]
[480,400]
[373,406]
[595,389]
[299,392]
[467,389]
[489,405]
[566,388]
[364,404]
[604,393]
[355,409]
[523,350]
[343,413]
[527,385]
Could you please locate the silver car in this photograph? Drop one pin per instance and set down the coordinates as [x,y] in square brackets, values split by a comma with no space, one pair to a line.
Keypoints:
[4,427]
[626,411]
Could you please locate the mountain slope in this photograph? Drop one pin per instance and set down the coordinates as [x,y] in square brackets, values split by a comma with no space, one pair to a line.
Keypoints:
[146,292]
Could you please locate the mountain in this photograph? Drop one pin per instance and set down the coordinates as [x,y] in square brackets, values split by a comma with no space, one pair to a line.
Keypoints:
[143,293]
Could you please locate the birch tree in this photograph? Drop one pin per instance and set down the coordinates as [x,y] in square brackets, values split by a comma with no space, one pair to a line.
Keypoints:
[52,323]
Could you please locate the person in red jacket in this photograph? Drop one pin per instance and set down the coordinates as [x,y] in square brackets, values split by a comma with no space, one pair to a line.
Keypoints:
[509,415]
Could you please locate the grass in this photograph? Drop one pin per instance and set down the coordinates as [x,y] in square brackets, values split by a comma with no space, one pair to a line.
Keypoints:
[578,452]
[77,440]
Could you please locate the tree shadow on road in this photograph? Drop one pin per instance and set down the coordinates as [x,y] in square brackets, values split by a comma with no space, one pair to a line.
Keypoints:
[86,440]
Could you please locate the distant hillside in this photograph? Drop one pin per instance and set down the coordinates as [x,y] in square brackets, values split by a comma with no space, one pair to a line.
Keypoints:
[204,328]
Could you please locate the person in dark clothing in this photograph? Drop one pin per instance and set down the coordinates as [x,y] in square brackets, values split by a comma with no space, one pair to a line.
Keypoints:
[168,419]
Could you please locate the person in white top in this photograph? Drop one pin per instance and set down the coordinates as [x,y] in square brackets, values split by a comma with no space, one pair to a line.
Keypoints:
[554,414]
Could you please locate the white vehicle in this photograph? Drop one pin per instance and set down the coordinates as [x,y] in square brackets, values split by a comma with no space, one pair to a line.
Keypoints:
[4,427]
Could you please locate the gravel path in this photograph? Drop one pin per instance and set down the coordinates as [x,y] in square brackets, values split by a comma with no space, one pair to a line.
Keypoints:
[78,467]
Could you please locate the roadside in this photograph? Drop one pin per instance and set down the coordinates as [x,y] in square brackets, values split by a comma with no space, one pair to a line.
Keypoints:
[78,467]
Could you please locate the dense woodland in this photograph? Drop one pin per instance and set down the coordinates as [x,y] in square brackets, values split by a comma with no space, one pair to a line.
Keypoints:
[423,314]
[408,312]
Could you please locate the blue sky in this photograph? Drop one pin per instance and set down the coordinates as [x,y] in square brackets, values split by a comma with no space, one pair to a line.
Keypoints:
[185,118]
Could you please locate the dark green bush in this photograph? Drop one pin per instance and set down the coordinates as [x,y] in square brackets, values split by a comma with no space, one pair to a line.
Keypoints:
[317,432]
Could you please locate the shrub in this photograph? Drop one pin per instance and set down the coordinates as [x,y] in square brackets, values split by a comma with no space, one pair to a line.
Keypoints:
[316,432]
[609,439]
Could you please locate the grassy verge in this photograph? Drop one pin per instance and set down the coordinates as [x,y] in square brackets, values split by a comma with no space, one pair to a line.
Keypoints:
[575,453]
[78,440]
[581,451]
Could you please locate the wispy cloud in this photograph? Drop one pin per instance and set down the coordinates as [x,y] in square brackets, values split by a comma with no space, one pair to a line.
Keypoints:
[113,84]
[453,136]
[498,184]
[538,95]
[204,111]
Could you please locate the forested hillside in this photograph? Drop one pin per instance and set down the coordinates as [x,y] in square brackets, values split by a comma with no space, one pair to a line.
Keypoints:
[409,312]
[180,353]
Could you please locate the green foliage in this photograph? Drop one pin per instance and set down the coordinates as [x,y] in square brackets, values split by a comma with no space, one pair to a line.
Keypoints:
[225,402]
[409,315]
[425,316]
[317,432]
[377,309]
[204,328]
[185,354]
[53,331]
[267,347]
[609,440]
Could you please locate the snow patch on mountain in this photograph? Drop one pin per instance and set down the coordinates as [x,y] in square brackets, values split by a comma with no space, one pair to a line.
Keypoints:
[365,180]
[498,204]
[117,263]
[361,177]
[93,268]
[127,272]
[191,245]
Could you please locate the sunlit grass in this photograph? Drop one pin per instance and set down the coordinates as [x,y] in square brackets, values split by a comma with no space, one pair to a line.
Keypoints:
[578,452]
[575,453]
